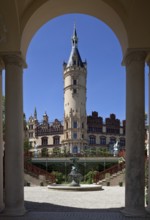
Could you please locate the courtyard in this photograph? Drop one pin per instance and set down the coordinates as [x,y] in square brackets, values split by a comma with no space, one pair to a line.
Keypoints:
[43,203]
[109,197]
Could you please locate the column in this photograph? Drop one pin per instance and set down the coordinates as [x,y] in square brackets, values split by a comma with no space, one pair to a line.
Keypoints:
[148,208]
[1,141]
[14,162]
[135,134]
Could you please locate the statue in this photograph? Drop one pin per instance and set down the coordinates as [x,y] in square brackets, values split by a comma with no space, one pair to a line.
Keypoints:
[74,174]
[74,161]
[35,150]
[115,149]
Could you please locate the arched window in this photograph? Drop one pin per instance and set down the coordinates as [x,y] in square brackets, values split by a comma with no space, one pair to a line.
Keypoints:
[74,82]
[122,142]
[44,141]
[75,150]
[75,124]
[74,135]
[102,140]
[56,140]
[92,139]
[112,140]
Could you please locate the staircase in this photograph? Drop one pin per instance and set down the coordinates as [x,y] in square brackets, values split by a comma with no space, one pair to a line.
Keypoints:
[114,180]
[112,176]
[30,180]
[36,176]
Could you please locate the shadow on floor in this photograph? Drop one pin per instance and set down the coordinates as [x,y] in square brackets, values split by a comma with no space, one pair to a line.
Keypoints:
[48,207]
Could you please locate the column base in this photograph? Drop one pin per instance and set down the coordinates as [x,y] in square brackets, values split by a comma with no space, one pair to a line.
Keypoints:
[14,212]
[148,209]
[2,208]
[134,212]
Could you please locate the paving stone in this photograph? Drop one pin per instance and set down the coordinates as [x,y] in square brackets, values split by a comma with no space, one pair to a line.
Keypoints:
[45,204]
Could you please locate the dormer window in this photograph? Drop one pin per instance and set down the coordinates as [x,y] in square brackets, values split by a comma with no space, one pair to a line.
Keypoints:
[74,62]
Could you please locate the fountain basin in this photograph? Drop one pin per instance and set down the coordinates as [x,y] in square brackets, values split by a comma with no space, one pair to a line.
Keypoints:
[82,187]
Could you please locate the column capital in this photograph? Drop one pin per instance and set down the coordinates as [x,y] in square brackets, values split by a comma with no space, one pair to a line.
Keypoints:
[14,58]
[2,66]
[134,55]
[148,60]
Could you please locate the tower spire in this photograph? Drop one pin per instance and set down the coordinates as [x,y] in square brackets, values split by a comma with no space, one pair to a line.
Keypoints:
[74,59]
[75,37]
[35,113]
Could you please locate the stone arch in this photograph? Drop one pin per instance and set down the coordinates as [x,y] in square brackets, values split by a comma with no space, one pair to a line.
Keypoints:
[129,21]
[34,18]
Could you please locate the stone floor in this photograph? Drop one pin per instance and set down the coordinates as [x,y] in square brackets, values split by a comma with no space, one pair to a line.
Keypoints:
[46,204]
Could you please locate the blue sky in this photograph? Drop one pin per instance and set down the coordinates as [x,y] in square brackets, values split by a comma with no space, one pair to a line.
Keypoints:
[51,46]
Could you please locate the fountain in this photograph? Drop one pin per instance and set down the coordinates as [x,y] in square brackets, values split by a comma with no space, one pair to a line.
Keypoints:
[75,178]
[74,175]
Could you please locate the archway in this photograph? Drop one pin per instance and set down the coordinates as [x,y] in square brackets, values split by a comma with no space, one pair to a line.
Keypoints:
[40,15]
[120,19]
[48,31]
[23,44]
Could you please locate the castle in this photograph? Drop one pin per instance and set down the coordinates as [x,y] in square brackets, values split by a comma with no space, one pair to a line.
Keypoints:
[78,131]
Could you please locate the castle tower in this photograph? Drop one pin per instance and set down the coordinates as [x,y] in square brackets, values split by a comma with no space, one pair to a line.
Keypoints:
[75,119]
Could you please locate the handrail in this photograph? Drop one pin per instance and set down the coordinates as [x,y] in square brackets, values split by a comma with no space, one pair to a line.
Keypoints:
[36,171]
[112,170]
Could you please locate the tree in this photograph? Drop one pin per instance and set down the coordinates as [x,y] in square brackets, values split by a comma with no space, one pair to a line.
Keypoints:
[56,151]
[27,145]
[44,152]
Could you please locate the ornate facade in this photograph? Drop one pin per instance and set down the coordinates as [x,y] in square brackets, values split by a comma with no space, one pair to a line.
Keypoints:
[101,134]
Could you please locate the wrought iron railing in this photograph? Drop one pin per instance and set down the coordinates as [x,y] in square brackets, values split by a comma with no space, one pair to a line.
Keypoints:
[36,171]
[112,170]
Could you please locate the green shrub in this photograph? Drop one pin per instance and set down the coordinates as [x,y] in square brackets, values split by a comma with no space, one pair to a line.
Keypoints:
[89,177]
[59,177]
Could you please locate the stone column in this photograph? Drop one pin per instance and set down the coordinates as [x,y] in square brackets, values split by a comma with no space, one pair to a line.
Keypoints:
[14,158]
[148,208]
[135,134]
[1,141]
